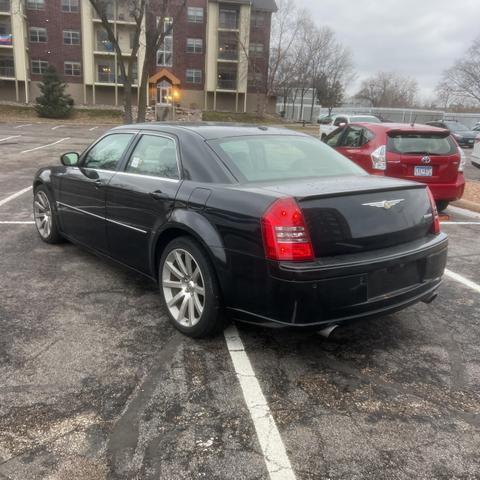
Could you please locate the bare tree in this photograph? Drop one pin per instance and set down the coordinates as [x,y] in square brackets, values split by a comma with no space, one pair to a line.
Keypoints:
[462,80]
[389,89]
[156,29]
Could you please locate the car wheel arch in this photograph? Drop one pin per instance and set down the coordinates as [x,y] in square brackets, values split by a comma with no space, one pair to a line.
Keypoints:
[173,230]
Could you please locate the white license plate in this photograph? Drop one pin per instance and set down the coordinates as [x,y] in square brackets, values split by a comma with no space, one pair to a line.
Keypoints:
[423,171]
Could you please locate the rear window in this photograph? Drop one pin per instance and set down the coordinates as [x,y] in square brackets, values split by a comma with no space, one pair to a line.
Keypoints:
[424,143]
[269,157]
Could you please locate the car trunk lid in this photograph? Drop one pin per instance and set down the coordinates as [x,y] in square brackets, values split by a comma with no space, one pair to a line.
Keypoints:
[357,214]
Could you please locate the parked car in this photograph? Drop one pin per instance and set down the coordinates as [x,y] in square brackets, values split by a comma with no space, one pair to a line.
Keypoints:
[329,124]
[421,153]
[259,224]
[476,128]
[464,136]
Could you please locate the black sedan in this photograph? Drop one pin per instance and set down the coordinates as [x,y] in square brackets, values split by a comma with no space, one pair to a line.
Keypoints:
[252,223]
[464,136]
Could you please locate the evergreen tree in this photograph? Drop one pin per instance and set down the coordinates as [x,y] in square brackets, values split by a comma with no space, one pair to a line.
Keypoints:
[54,102]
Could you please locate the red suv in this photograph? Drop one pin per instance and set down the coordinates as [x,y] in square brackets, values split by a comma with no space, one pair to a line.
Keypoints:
[421,153]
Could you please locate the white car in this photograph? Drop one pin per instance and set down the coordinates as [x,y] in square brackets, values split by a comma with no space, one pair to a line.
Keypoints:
[476,152]
[330,124]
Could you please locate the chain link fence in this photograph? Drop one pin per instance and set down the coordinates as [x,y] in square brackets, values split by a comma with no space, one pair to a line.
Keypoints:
[299,113]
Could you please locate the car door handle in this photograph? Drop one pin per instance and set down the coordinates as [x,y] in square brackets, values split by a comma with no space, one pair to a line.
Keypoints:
[99,183]
[158,195]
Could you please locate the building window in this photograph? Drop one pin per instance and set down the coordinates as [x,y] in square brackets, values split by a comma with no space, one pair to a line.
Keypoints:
[73,69]
[194,76]
[194,45]
[165,52]
[70,6]
[103,44]
[257,19]
[195,14]
[39,67]
[36,4]
[255,79]
[228,18]
[256,50]
[227,46]
[71,37]
[38,35]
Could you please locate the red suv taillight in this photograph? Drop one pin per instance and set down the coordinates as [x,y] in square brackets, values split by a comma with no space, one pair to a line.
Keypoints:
[436,218]
[285,234]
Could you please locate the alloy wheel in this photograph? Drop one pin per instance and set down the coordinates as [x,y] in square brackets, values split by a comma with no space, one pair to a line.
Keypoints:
[43,214]
[183,287]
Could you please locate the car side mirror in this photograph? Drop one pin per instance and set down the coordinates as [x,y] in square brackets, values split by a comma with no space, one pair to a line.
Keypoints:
[70,159]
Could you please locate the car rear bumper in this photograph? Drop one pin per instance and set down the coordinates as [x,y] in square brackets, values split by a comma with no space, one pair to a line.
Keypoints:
[448,191]
[348,287]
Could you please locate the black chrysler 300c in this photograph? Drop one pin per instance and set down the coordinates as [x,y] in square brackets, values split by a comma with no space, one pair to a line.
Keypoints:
[257,224]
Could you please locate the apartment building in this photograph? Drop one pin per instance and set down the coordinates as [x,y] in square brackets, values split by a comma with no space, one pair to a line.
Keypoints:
[215,56]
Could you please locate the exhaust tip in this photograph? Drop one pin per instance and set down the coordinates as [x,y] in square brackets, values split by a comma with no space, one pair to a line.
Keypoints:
[326,332]
[431,298]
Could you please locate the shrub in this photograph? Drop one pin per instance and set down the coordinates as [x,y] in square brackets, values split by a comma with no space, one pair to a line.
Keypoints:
[54,102]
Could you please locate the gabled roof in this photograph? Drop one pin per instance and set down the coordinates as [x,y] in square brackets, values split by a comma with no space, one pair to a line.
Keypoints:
[164,73]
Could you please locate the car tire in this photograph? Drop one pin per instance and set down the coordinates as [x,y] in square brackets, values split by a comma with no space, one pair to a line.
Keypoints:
[442,205]
[45,215]
[189,289]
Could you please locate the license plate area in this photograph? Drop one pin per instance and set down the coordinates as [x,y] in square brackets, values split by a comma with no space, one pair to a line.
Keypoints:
[423,171]
[391,279]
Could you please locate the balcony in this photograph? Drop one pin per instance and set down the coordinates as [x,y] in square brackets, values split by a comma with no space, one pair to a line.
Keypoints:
[5,6]
[7,67]
[106,74]
[228,18]
[121,15]
[227,78]
[227,46]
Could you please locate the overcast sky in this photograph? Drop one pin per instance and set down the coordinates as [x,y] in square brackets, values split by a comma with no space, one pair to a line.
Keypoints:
[419,38]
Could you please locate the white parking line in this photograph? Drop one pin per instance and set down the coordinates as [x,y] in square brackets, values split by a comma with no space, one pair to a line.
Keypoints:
[58,126]
[45,146]
[463,211]
[93,128]
[13,196]
[10,137]
[25,125]
[465,281]
[460,223]
[274,453]
[29,222]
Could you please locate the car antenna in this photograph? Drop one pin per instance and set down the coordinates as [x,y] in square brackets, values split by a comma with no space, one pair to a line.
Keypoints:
[414,120]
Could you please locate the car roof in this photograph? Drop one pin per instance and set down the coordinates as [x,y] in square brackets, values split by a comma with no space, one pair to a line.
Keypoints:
[404,127]
[211,130]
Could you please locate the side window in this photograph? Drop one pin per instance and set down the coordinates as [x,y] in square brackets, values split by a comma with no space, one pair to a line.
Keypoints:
[339,120]
[155,156]
[106,154]
[333,139]
[353,137]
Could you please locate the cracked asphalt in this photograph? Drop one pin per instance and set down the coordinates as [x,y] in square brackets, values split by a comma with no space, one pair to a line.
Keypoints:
[96,384]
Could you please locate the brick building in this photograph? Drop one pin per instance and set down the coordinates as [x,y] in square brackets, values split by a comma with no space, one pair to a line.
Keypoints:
[216,57]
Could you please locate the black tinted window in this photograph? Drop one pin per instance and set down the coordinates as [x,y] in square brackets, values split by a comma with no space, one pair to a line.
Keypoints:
[154,155]
[106,154]
[333,140]
[269,158]
[338,121]
[425,143]
[353,137]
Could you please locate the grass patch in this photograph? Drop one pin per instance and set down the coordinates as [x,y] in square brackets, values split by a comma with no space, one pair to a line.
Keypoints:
[240,118]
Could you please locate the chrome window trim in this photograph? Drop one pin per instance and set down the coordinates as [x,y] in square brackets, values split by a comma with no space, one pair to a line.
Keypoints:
[166,179]
[177,156]
[102,218]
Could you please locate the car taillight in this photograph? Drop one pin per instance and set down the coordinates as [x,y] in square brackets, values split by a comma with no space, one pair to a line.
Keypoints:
[463,160]
[379,158]
[436,218]
[285,234]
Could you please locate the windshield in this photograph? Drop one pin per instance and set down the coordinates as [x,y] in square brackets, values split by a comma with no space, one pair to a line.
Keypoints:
[456,127]
[271,157]
[366,119]
[421,144]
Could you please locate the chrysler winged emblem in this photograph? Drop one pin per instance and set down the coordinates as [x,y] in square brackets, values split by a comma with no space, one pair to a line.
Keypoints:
[385,204]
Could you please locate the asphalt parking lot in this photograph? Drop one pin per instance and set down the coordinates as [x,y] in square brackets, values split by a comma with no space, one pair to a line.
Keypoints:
[95,383]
